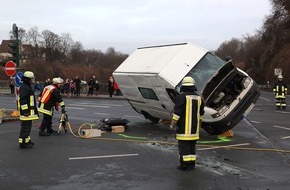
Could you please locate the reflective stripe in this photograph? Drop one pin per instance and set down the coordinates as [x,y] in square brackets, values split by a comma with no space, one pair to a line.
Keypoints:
[175,117]
[31,117]
[187,137]
[190,157]
[26,140]
[46,93]
[24,107]
[61,104]
[44,111]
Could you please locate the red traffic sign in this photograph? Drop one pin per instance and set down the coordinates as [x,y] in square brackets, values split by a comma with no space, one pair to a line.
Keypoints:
[10,68]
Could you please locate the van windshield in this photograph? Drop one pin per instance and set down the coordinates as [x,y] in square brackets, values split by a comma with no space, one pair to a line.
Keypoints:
[204,70]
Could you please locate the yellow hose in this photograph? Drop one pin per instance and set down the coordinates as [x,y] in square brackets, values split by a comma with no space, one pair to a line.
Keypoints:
[166,143]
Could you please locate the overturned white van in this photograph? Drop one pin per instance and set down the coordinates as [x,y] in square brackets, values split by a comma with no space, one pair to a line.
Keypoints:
[150,78]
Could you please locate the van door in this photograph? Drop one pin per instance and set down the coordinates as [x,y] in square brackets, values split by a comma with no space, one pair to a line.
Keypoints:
[164,99]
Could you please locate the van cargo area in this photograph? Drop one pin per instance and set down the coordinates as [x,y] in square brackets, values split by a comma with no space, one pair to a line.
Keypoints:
[150,78]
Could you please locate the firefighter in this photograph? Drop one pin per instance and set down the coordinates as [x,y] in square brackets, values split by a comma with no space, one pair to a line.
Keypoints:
[27,109]
[186,120]
[280,91]
[50,99]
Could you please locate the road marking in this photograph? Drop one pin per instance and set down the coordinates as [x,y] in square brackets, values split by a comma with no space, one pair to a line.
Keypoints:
[107,156]
[265,99]
[282,112]
[74,108]
[132,116]
[93,106]
[255,122]
[90,103]
[288,137]
[217,147]
[102,113]
[276,126]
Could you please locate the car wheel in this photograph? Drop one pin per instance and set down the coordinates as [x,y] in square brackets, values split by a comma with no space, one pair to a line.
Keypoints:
[211,130]
[150,118]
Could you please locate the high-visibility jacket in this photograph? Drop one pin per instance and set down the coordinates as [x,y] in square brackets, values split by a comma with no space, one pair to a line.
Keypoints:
[188,111]
[27,104]
[280,89]
[49,99]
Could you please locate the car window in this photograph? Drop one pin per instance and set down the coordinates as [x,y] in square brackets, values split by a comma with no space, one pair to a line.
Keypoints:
[148,93]
[204,70]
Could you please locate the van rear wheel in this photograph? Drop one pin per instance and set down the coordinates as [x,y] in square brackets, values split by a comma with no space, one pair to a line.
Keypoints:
[150,117]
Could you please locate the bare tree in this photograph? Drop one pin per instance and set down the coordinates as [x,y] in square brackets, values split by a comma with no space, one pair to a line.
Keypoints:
[33,36]
[66,43]
[76,53]
[51,45]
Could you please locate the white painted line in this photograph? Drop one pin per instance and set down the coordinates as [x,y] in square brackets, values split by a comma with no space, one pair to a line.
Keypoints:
[102,113]
[276,126]
[132,116]
[117,105]
[265,99]
[282,112]
[288,137]
[107,156]
[255,121]
[90,103]
[217,147]
[74,108]
[93,106]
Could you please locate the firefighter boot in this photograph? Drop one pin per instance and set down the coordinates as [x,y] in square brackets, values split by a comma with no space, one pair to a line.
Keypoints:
[183,167]
[24,145]
[43,133]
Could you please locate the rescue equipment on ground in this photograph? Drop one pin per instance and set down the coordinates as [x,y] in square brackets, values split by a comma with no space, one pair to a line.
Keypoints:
[8,115]
[108,123]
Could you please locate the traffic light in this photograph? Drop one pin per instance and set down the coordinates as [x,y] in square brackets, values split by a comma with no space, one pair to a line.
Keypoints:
[14,50]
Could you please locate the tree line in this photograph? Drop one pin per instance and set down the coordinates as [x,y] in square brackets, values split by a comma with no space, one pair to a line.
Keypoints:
[59,55]
[267,49]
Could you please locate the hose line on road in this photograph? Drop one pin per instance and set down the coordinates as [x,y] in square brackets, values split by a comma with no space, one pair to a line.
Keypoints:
[79,135]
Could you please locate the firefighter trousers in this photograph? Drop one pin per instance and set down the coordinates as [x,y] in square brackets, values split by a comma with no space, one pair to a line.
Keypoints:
[46,123]
[187,152]
[24,137]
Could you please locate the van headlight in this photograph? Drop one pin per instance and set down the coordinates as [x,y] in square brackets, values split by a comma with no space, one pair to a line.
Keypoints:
[246,82]
[220,111]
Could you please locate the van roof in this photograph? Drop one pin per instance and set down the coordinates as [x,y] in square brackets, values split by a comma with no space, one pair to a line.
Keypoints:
[172,62]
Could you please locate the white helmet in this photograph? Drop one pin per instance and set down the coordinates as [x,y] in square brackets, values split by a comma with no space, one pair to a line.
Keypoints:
[28,74]
[280,77]
[57,80]
[188,81]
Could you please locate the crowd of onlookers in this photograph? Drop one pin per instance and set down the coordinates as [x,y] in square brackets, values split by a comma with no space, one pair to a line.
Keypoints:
[74,87]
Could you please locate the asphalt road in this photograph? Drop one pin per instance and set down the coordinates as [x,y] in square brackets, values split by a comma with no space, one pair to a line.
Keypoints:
[146,156]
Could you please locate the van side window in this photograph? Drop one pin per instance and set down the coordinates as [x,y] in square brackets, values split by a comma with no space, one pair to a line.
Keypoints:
[148,93]
[172,94]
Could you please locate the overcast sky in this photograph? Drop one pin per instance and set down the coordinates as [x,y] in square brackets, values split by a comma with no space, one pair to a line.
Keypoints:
[129,24]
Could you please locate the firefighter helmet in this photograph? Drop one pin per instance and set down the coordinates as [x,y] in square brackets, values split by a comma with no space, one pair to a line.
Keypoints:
[228,58]
[280,77]
[57,80]
[188,81]
[28,74]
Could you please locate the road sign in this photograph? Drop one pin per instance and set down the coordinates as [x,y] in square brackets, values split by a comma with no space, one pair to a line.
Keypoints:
[278,71]
[10,68]
[18,79]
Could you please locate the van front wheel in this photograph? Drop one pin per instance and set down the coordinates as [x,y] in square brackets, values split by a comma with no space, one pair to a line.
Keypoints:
[150,117]
[211,130]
